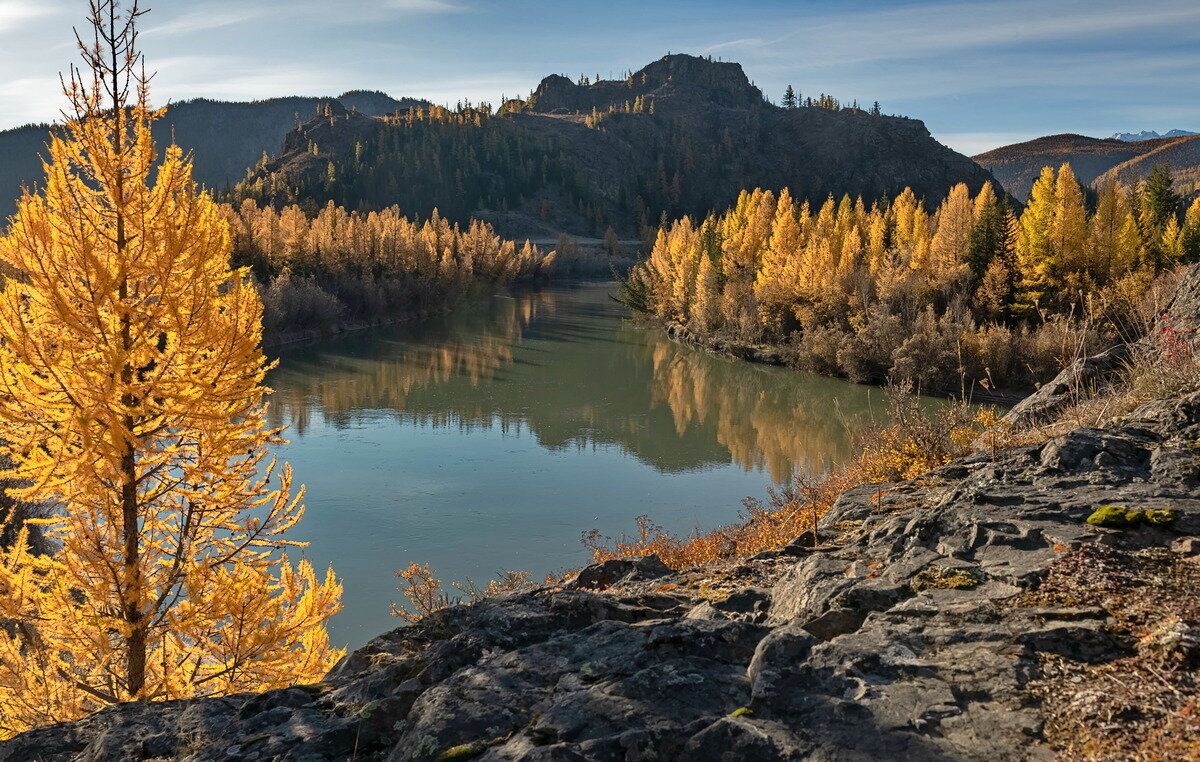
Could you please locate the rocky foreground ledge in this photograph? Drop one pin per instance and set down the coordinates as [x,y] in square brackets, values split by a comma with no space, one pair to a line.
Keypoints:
[966,615]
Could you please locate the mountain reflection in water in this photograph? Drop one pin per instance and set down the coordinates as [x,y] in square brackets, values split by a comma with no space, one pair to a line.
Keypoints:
[488,438]
[562,365]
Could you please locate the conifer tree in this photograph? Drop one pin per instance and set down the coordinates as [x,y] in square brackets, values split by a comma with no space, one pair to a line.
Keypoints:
[777,286]
[1106,257]
[1035,247]
[994,297]
[133,404]
[992,235]
[1189,243]
[1159,198]
[789,98]
[1069,227]
[954,224]
[1171,243]
[1131,242]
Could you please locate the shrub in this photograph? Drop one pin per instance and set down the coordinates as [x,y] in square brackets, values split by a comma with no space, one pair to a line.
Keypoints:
[867,355]
[816,350]
[929,358]
[292,302]
[423,591]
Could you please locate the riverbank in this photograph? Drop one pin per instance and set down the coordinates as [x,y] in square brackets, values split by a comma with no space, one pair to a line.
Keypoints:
[281,339]
[773,354]
[1015,604]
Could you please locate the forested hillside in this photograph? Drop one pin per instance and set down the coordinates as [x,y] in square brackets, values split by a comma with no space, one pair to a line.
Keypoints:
[226,138]
[972,293]
[681,136]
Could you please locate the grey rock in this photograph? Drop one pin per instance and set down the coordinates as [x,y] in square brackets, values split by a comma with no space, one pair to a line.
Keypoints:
[608,573]
[1188,547]
[1065,388]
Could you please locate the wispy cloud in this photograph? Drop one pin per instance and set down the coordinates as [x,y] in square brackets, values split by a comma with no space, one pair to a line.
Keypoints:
[14,13]
[928,30]
[425,6]
[198,21]
[745,42]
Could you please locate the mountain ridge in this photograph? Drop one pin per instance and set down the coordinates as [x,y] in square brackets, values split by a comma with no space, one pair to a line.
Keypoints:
[1133,137]
[226,137]
[683,135]
[1016,166]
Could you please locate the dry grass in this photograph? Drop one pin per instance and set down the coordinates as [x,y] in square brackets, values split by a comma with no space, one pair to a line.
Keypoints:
[426,594]
[1146,705]
[1165,364]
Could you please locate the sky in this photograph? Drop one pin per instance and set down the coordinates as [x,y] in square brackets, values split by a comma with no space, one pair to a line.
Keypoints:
[979,73]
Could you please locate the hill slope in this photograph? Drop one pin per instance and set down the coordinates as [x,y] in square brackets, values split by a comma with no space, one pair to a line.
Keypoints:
[1017,166]
[681,136]
[1181,154]
[227,138]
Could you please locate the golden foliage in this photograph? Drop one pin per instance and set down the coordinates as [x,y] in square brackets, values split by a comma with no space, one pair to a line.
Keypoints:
[381,243]
[769,270]
[426,595]
[423,591]
[131,403]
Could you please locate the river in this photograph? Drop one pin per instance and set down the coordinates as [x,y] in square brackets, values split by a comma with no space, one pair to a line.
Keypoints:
[490,438]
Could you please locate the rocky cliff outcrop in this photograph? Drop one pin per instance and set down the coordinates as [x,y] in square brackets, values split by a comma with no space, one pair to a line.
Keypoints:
[919,628]
[671,78]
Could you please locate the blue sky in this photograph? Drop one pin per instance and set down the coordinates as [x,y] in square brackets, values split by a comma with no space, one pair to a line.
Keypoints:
[979,73]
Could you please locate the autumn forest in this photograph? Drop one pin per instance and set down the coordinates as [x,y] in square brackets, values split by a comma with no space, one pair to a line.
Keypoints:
[644,415]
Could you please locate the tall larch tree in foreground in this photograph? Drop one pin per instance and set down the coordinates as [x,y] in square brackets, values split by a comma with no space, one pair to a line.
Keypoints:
[132,405]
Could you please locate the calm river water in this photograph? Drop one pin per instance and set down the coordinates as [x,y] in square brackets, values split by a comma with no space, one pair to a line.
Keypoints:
[490,438]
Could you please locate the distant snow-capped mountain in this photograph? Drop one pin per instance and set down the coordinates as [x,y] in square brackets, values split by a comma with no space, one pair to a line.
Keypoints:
[1131,137]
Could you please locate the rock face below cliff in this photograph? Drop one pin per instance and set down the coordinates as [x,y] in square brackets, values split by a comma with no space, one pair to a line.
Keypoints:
[909,632]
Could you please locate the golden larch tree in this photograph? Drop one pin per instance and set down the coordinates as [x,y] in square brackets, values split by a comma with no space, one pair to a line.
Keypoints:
[1106,258]
[132,407]
[954,222]
[1068,230]
[1035,244]
[777,284]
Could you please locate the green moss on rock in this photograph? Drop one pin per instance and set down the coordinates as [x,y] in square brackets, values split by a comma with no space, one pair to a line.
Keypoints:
[1116,517]
[1162,517]
[741,712]
[941,578]
[462,752]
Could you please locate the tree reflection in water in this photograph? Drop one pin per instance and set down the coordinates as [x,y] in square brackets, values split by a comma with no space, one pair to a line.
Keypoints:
[562,365]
